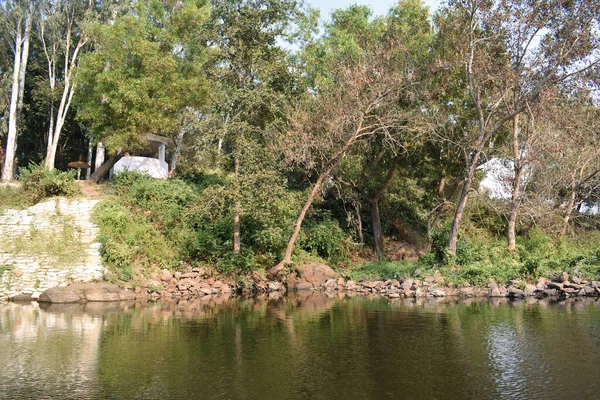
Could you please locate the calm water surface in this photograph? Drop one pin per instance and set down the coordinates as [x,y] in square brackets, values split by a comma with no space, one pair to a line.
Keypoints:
[301,347]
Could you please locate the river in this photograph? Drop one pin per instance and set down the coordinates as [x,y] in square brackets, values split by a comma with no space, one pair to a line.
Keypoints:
[307,346]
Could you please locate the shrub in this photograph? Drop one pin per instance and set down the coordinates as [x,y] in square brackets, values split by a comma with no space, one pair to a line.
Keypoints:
[39,183]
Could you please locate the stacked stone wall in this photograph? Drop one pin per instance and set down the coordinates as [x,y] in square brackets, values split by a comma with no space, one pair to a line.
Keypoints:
[29,273]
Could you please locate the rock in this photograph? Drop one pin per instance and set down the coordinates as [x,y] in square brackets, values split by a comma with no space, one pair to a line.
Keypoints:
[177,275]
[165,275]
[428,279]
[369,285]
[493,291]
[554,285]
[564,277]
[125,295]
[102,293]
[340,281]
[225,288]
[407,284]
[466,292]
[438,293]
[395,283]
[274,286]
[60,295]
[576,280]
[314,275]
[515,292]
[530,289]
[551,292]
[206,290]
[439,280]
[18,273]
[542,281]
[393,295]
[596,284]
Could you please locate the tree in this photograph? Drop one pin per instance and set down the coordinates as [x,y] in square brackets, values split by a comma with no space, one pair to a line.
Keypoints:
[17,17]
[145,69]
[254,80]
[354,105]
[499,80]
[62,38]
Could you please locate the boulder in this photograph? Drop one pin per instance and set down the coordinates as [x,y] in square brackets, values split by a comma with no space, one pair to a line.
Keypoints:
[313,275]
[165,275]
[530,289]
[102,293]
[564,277]
[60,295]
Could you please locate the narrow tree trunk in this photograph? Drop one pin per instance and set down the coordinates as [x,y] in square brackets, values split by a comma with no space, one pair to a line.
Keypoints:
[11,140]
[175,155]
[67,96]
[376,224]
[375,218]
[287,258]
[567,217]
[359,227]
[88,171]
[462,203]
[516,186]
[237,211]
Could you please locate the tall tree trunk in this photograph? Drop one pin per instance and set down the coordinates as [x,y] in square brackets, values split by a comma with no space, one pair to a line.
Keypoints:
[359,227]
[18,88]
[237,210]
[287,258]
[11,140]
[516,186]
[462,203]
[88,171]
[375,218]
[67,96]
[376,224]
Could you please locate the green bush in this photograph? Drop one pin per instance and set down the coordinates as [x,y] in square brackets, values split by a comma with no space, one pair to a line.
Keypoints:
[383,270]
[39,183]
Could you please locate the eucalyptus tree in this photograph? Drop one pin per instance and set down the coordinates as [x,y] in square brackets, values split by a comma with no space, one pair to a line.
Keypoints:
[503,68]
[62,38]
[17,22]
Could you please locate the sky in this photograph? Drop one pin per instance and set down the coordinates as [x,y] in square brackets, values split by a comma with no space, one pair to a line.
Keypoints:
[380,7]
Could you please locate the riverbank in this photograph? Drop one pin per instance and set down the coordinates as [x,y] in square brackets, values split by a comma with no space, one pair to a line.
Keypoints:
[313,278]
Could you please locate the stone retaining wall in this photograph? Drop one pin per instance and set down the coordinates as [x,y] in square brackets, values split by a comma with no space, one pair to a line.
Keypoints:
[29,273]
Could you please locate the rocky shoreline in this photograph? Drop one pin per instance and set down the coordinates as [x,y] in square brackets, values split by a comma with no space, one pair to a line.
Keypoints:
[200,282]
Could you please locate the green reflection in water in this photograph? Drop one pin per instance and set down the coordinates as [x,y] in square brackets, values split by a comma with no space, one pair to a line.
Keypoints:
[311,346]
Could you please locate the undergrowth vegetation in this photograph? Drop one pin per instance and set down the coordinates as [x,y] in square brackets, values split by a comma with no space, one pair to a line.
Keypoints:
[38,184]
[148,224]
[176,223]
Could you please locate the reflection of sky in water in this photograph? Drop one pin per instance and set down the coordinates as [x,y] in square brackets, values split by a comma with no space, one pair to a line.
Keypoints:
[506,360]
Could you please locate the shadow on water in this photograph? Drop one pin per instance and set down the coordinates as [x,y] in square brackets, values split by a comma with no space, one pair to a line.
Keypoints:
[301,346]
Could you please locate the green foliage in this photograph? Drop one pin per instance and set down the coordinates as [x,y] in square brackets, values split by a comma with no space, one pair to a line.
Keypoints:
[172,223]
[39,183]
[383,270]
